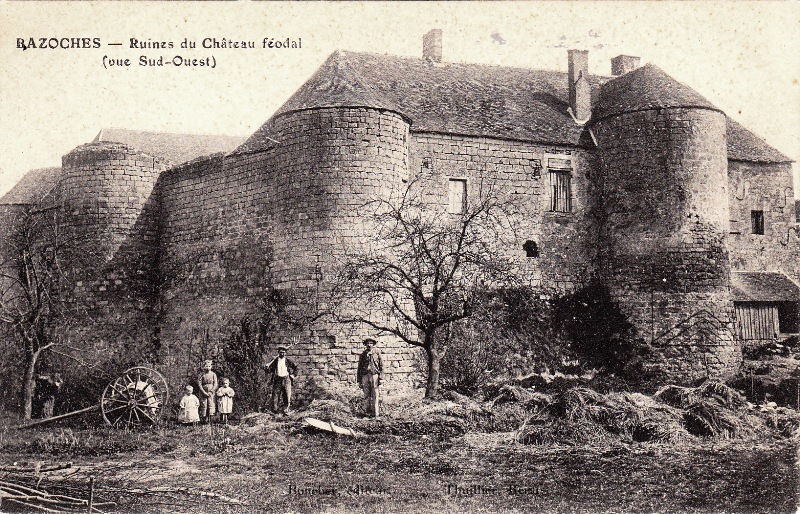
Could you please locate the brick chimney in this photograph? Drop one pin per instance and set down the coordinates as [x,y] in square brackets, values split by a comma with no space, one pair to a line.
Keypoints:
[622,64]
[580,95]
[432,45]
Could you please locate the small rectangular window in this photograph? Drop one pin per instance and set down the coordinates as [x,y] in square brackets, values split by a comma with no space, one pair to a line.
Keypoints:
[560,197]
[757,222]
[457,196]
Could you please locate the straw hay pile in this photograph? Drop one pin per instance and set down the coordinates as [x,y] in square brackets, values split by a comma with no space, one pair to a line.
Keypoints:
[673,415]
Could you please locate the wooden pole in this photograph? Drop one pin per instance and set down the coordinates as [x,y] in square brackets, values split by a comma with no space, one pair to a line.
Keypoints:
[91,495]
[56,418]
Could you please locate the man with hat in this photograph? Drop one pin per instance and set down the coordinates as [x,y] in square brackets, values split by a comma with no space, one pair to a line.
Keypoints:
[370,370]
[281,371]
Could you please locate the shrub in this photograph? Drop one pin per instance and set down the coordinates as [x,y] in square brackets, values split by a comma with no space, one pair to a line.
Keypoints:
[246,346]
[510,332]
[597,330]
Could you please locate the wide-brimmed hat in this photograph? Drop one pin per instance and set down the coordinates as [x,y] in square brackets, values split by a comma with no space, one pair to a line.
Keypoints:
[282,348]
[369,340]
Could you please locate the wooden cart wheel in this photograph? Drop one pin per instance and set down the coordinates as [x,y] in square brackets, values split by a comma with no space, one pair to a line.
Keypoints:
[135,398]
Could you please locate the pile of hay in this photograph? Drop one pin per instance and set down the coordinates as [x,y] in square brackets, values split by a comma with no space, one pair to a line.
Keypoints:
[783,420]
[583,416]
[713,410]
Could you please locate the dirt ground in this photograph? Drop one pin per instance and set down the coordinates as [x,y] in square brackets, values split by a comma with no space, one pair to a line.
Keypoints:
[281,465]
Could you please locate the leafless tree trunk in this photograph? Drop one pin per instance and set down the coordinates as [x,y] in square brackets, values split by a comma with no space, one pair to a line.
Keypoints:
[29,383]
[434,367]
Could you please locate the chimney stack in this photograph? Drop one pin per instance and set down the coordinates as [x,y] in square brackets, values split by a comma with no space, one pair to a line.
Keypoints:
[622,64]
[432,45]
[580,94]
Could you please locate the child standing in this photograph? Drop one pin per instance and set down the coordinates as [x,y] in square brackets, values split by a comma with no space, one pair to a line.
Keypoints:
[225,394]
[188,408]
[207,381]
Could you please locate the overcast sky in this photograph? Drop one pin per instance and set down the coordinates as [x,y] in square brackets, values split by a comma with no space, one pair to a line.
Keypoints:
[743,57]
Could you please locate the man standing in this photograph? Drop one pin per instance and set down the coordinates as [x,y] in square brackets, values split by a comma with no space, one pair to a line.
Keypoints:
[370,370]
[47,387]
[207,384]
[281,371]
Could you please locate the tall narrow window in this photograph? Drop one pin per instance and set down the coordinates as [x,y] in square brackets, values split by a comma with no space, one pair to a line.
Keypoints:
[757,222]
[457,196]
[560,198]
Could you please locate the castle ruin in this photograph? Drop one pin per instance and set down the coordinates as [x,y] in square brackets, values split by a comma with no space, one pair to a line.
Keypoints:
[686,216]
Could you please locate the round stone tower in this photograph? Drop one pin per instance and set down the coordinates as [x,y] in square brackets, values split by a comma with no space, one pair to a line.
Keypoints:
[331,162]
[111,215]
[662,212]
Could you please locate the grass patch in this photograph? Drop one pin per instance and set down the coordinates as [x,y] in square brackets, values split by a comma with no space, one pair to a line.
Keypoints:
[615,452]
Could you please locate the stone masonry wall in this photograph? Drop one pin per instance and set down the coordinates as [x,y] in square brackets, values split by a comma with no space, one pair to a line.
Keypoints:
[767,188]
[662,189]
[206,276]
[234,227]
[110,210]
[520,171]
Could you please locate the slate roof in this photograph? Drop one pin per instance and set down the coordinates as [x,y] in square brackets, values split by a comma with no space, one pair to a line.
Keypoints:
[32,187]
[450,98]
[173,148]
[491,101]
[763,287]
[743,145]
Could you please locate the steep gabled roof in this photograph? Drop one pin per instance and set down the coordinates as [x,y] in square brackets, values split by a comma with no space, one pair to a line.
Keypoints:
[450,98]
[32,187]
[172,148]
[743,145]
[763,287]
[341,81]
[492,101]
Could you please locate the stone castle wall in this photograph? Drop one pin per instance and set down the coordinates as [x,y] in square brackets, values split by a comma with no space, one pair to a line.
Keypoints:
[186,255]
[664,238]
[110,213]
[519,172]
[767,188]
[233,228]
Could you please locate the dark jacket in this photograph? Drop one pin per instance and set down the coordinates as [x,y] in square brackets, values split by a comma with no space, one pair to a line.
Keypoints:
[272,368]
[369,363]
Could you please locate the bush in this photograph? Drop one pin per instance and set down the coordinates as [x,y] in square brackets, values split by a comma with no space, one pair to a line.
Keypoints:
[510,332]
[597,330]
[247,344]
[516,330]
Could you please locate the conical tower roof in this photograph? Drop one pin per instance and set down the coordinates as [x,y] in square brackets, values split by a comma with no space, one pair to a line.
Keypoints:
[648,87]
[337,83]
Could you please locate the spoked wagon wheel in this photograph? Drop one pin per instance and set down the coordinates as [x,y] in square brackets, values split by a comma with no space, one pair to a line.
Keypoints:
[135,398]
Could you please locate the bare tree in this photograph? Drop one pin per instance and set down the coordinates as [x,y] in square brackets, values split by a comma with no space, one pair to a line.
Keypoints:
[421,267]
[34,264]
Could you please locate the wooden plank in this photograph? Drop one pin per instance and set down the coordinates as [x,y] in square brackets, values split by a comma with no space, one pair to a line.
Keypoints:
[330,427]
